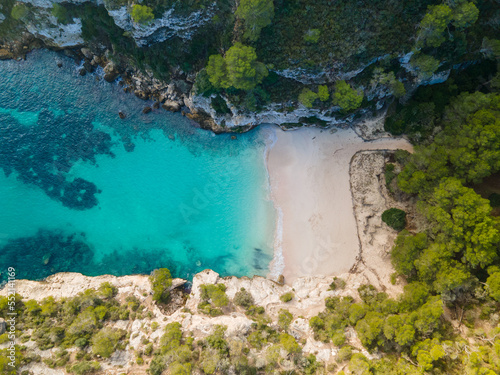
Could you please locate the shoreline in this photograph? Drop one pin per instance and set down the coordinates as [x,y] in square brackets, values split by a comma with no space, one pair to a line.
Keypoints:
[310,187]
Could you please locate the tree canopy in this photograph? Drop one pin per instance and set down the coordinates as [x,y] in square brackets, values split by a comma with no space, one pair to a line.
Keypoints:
[142,14]
[239,68]
[346,97]
[257,14]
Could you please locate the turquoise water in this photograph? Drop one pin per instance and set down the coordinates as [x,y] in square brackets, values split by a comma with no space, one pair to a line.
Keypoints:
[84,191]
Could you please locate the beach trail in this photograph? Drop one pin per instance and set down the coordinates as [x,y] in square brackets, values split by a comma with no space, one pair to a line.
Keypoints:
[309,177]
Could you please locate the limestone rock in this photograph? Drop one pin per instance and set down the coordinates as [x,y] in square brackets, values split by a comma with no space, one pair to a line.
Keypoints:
[172,106]
[110,72]
[5,54]
[87,53]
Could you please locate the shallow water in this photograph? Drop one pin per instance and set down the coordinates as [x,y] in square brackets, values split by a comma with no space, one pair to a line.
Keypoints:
[84,191]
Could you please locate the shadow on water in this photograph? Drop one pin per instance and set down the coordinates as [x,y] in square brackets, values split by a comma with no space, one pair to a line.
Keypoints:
[43,154]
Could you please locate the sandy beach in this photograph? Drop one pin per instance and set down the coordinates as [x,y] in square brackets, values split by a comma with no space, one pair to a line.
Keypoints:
[309,176]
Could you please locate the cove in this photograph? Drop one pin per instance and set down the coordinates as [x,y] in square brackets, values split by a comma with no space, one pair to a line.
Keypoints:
[82,190]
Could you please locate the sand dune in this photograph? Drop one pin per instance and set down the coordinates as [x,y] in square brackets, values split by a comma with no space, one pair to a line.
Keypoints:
[309,176]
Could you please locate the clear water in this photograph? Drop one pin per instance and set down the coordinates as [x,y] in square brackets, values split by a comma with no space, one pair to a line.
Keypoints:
[84,191]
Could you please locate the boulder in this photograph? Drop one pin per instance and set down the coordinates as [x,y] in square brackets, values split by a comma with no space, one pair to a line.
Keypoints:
[5,54]
[2,326]
[156,105]
[122,115]
[110,72]
[82,72]
[141,94]
[172,106]
[146,110]
[87,53]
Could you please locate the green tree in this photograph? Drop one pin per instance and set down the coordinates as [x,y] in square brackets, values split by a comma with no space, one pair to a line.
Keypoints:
[243,298]
[359,365]
[142,14]
[346,97]
[257,14]
[307,97]
[243,68]
[105,341]
[465,15]
[415,295]
[493,283]
[468,148]
[284,319]
[239,68]
[406,250]
[217,72]
[323,93]
[160,280]
[434,24]
[463,216]
[108,290]
[370,329]
[425,64]
[289,343]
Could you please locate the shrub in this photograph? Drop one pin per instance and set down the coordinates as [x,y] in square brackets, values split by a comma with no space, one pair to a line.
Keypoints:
[85,367]
[312,36]
[105,341]
[289,344]
[160,280]
[85,323]
[337,283]
[425,64]
[214,293]
[287,297]
[219,105]
[108,290]
[344,354]
[284,319]
[395,218]
[19,11]
[243,299]
[142,14]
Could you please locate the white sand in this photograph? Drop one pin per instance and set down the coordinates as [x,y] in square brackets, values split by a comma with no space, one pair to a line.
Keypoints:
[309,175]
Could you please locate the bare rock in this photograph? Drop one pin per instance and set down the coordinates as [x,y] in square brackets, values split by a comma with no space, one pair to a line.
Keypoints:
[172,106]
[146,110]
[141,94]
[122,115]
[82,72]
[110,72]
[156,105]
[5,54]
[87,53]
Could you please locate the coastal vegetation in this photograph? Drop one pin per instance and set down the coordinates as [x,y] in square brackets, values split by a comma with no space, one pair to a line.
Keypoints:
[286,53]
[446,253]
